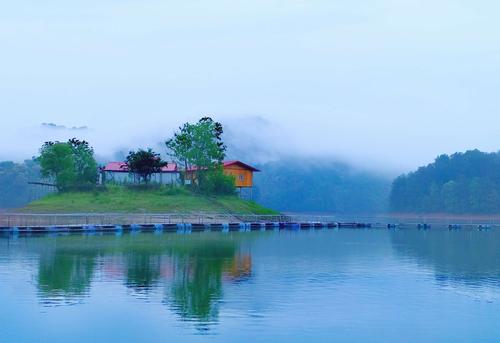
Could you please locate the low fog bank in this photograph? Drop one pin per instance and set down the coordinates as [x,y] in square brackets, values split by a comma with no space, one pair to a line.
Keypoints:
[254,139]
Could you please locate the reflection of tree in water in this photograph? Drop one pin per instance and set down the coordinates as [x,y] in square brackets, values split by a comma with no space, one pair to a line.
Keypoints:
[65,275]
[142,270]
[470,258]
[192,268]
[197,284]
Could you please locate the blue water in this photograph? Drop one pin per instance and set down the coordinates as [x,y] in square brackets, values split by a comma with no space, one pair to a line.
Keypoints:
[287,286]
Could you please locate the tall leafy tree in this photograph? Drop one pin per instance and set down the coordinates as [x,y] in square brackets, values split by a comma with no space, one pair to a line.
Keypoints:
[57,164]
[69,164]
[180,145]
[144,163]
[85,164]
[198,145]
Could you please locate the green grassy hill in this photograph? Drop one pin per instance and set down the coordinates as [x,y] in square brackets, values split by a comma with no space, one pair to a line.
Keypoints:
[161,200]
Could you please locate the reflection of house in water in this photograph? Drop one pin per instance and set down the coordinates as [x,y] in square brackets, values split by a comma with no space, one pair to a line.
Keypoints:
[240,268]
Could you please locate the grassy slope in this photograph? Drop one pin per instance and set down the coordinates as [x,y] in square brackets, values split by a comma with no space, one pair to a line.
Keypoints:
[118,199]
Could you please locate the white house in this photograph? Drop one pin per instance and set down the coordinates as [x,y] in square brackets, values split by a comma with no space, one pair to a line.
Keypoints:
[118,172]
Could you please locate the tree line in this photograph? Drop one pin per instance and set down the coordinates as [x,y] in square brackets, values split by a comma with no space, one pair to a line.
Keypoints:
[461,183]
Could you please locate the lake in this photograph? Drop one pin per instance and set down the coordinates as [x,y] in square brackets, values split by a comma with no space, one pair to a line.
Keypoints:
[278,286]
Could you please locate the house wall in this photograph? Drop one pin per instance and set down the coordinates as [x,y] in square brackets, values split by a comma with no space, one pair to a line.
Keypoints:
[243,177]
[127,178]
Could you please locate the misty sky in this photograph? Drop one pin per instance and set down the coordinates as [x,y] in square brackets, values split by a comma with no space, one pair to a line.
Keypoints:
[387,84]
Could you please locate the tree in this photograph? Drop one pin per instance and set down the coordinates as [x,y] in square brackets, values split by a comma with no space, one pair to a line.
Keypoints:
[84,161]
[57,164]
[180,145]
[216,182]
[69,165]
[144,163]
[198,145]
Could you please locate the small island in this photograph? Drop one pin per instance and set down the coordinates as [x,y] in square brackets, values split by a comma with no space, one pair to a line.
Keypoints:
[196,180]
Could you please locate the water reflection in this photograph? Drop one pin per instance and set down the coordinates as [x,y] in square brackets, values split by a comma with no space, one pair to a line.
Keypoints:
[465,258]
[191,270]
[197,282]
[65,275]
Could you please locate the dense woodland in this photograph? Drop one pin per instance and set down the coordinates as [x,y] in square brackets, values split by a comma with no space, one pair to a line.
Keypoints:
[461,183]
[320,187]
[14,188]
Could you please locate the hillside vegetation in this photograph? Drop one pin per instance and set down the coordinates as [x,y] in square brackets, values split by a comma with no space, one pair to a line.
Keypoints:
[320,186]
[461,183]
[14,188]
[158,200]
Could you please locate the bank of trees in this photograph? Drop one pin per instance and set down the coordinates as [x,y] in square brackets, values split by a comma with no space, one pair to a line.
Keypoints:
[15,189]
[461,183]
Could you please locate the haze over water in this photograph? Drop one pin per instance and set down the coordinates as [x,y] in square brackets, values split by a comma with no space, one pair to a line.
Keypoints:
[318,285]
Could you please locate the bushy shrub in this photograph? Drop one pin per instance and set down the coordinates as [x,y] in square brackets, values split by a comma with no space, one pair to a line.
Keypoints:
[217,183]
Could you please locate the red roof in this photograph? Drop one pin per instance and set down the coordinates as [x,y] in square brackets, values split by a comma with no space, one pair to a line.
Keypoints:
[241,164]
[232,163]
[122,167]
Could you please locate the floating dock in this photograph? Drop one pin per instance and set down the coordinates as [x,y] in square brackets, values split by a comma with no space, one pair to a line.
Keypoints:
[187,223]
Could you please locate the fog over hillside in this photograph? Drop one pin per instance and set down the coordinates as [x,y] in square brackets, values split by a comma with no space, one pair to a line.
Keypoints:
[251,138]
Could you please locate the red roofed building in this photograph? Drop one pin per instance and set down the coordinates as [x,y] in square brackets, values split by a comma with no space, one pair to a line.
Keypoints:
[118,172]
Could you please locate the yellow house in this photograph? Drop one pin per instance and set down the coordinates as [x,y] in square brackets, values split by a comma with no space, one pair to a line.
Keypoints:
[242,173]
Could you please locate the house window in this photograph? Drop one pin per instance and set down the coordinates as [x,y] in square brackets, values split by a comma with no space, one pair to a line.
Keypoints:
[242,177]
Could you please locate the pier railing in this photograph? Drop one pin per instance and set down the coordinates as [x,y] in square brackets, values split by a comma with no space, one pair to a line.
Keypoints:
[78,219]
[29,220]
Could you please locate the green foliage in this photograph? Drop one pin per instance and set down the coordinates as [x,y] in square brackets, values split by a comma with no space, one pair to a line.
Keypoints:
[180,145]
[461,183]
[198,145]
[214,181]
[69,165]
[144,163]
[14,188]
[85,164]
[57,163]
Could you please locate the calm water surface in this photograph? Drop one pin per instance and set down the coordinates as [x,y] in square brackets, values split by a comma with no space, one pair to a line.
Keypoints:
[321,286]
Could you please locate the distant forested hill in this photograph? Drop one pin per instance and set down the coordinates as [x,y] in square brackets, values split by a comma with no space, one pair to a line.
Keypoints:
[297,186]
[14,188]
[461,183]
